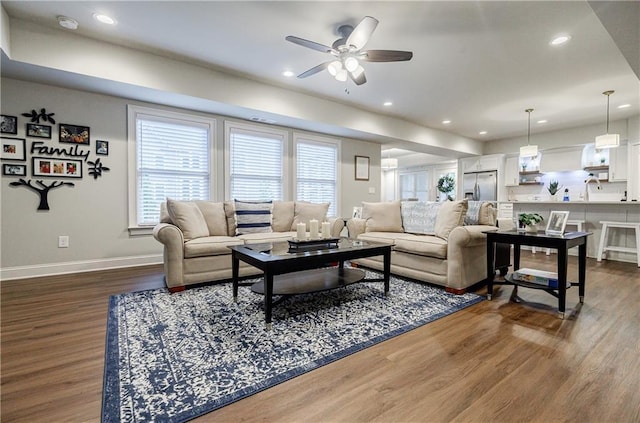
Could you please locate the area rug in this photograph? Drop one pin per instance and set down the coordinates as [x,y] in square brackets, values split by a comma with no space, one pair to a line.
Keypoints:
[174,357]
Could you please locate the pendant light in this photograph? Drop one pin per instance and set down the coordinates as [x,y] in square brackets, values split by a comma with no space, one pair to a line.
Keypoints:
[529,150]
[607,140]
[389,163]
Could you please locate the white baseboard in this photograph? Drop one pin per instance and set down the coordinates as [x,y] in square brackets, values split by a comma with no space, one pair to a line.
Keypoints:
[50,269]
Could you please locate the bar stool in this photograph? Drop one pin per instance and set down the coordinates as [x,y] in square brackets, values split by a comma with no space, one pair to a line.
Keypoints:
[573,222]
[604,247]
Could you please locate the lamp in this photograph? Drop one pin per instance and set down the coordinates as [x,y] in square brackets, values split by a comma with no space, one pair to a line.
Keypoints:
[529,150]
[608,140]
[389,163]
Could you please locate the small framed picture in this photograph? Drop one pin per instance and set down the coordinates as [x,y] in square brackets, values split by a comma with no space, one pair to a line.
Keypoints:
[9,124]
[38,131]
[57,167]
[357,213]
[102,147]
[74,134]
[13,149]
[10,169]
[557,222]
[362,168]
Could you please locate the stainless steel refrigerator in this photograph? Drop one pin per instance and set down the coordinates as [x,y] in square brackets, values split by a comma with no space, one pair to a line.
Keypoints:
[480,186]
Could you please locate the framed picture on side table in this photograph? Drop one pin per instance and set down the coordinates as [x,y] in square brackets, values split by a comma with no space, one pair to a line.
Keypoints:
[557,222]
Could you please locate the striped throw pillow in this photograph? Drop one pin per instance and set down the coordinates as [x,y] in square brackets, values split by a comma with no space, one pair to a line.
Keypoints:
[253,217]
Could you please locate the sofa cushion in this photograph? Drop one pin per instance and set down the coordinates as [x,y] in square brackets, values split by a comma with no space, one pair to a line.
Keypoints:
[480,213]
[266,237]
[419,217]
[214,216]
[230,214]
[283,212]
[210,246]
[387,237]
[304,212]
[187,216]
[450,215]
[382,217]
[253,217]
[422,245]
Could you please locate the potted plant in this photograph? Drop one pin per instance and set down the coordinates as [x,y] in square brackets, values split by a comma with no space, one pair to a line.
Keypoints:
[530,221]
[553,188]
[446,185]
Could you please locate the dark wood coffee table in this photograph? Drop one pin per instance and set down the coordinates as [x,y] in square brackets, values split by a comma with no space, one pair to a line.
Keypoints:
[289,272]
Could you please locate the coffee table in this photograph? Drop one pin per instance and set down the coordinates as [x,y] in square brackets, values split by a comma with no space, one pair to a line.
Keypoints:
[288,271]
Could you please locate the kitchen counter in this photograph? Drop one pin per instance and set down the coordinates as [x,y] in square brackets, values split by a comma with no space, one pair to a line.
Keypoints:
[623,203]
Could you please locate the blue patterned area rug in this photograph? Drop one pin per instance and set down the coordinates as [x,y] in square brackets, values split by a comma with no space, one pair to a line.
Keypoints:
[174,357]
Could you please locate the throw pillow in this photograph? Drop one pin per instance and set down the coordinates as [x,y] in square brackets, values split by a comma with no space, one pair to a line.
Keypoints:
[283,212]
[450,215]
[253,217]
[214,216]
[419,217]
[187,216]
[303,212]
[472,218]
[382,217]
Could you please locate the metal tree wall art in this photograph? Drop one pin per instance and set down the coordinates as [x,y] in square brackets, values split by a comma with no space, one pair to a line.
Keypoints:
[42,190]
[35,116]
[97,168]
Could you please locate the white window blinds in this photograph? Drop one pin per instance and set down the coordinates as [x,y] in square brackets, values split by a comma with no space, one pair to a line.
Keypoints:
[316,173]
[173,162]
[256,165]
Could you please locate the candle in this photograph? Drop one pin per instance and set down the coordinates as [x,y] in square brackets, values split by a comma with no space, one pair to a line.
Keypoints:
[302,231]
[326,228]
[313,229]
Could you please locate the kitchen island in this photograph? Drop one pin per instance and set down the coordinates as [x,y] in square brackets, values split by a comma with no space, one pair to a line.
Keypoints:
[592,212]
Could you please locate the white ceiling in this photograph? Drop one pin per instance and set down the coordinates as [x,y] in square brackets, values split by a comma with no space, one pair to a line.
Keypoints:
[478,64]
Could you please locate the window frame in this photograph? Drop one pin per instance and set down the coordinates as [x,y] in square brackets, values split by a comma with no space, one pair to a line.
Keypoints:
[258,130]
[303,138]
[134,112]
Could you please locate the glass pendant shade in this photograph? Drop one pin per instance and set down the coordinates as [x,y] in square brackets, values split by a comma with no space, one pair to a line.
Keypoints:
[389,163]
[334,67]
[341,75]
[529,151]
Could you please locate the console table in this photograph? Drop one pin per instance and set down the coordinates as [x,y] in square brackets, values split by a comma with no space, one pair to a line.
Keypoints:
[540,239]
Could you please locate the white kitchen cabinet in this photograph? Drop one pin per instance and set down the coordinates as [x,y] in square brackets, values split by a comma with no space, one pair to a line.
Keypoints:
[633,180]
[618,164]
[561,160]
[481,163]
[512,171]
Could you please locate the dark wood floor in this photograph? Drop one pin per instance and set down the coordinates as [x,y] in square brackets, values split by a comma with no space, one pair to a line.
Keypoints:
[496,361]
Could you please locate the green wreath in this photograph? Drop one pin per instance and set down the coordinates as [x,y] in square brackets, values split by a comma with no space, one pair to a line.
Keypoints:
[446,184]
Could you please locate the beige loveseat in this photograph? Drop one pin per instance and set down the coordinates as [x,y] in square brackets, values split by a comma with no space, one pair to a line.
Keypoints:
[431,241]
[196,236]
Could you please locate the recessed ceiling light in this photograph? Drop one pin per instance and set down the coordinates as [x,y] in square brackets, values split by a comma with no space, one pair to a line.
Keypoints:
[67,22]
[560,39]
[105,19]
[542,121]
[288,73]
[387,103]
[446,122]
[624,106]
[482,132]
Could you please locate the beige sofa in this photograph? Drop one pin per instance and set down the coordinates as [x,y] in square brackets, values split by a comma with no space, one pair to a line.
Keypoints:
[196,236]
[439,249]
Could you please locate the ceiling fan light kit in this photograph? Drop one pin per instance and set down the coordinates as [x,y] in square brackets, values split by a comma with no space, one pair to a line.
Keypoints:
[607,140]
[348,53]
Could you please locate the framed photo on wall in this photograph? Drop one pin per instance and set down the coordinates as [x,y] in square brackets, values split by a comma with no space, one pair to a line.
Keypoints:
[13,149]
[38,131]
[74,134]
[9,124]
[102,148]
[56,167]
[557,222]
[362,168]
[10,169]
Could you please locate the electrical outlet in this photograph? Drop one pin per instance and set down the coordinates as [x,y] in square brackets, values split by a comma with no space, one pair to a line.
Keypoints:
[63,241]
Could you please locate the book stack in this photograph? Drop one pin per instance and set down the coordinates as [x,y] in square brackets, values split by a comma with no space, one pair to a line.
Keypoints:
[538,277]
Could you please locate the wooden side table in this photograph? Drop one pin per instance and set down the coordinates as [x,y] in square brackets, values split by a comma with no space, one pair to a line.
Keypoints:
[562,243]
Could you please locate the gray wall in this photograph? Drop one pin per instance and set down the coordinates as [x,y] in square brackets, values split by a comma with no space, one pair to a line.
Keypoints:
[94,213]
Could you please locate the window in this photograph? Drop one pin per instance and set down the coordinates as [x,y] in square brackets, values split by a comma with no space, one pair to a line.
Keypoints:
[317,171]
[414,186]
[256,165]
[169,157]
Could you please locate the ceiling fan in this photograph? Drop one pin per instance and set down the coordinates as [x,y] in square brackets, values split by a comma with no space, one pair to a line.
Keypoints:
[348,53]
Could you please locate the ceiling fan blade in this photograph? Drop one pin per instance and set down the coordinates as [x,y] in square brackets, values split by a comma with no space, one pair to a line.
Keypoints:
[358,76]
[314,70]
[385,55]
[309,44]
[362,32]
